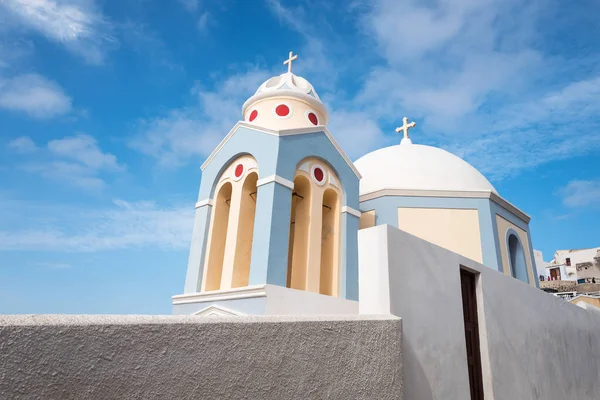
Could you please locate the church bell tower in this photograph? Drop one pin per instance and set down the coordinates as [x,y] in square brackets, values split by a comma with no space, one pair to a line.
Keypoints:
[275,230]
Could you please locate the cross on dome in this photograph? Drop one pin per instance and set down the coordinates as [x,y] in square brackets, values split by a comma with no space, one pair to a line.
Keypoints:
[291,58]
[404,128]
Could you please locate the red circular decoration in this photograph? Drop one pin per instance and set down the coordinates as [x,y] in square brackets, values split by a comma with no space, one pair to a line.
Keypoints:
[253,115]
[312,117]
[282,110]
[239,169]
[319,174]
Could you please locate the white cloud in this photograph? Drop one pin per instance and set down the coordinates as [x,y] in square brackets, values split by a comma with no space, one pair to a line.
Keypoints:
[123,225]
[356,132]
[581,193]
[76,160]
[23,145]
[78,25]
[190,5]
[34,95]
[181,134]
[84,149]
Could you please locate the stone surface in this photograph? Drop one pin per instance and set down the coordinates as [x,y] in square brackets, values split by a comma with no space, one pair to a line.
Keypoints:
[182,357]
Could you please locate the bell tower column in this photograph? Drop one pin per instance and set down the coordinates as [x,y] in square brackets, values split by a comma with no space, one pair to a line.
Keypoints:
[271,232]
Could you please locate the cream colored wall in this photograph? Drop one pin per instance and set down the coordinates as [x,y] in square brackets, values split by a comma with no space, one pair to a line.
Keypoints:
[297,119]
[315,259]
[503,226]
[367,219]
[453,229]
[594,301]
[229,241]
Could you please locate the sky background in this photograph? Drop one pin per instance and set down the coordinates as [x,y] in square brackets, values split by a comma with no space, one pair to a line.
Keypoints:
[108,109]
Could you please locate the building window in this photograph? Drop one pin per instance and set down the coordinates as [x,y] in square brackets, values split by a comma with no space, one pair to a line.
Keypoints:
[568,262]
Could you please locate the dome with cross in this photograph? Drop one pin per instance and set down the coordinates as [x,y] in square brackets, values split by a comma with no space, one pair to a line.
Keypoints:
[285,101]
[409,166]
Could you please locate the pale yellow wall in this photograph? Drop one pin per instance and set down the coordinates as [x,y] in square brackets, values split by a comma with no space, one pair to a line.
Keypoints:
[367,219]
[315,236]
[590,300]
[453,229]
[503,226]
[268,119]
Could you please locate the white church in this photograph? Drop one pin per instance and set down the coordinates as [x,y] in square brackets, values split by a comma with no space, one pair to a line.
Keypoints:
[280,207]
[403,275]
[287,224]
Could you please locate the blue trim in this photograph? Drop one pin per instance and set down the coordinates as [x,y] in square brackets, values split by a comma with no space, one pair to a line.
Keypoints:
[386,212]
[517,271]
[195,269]
[349,258]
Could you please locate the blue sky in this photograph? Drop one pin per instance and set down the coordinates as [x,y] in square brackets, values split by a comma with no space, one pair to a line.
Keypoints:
[108,108]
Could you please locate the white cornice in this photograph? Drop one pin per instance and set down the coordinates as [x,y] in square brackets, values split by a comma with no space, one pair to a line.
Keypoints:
[351,211]
[283,132]
[205,202]
[484,194]
[220,295]
[275,178]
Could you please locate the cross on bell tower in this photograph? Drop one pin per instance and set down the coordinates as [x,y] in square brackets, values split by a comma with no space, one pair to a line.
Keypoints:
[289,61]
[404,128]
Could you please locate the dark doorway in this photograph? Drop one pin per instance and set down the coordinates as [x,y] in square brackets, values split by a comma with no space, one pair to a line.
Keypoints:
[469,298]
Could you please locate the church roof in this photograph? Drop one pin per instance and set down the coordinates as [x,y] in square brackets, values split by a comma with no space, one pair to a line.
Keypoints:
[287,84]
[418,167]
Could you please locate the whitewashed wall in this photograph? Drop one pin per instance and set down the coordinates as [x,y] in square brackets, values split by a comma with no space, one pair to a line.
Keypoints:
[533,345]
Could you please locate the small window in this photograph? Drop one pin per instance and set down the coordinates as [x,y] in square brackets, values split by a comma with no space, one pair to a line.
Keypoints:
[568,262]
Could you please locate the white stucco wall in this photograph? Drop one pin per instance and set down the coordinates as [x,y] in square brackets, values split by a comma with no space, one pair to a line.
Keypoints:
[533,345]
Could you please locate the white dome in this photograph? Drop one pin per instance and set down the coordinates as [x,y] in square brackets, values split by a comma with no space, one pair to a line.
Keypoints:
[418,167]
[287,84]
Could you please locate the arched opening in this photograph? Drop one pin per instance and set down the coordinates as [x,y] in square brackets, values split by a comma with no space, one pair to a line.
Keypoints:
[329,244]
[243,248]
[299,233]
[516,255]
[216,251]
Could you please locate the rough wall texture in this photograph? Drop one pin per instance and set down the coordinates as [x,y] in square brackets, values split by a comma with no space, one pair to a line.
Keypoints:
[533,344]
[147,357]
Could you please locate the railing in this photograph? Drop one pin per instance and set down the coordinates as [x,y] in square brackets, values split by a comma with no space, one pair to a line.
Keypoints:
[571,295]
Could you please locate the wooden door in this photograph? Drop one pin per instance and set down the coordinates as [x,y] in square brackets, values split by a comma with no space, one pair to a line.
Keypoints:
[469,298]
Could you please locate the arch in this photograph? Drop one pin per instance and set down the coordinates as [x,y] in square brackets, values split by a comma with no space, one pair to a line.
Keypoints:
[315,240]
[221,172]
[243,248]
[330,239]
[218,236]
[299,233]
[516,256]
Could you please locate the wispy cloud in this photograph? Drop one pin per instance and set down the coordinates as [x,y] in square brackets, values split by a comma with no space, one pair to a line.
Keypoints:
[78,25]
[581,193]
[34,95]
[190,5]
[77,160]
[122,225]
[22,145]
[176,137]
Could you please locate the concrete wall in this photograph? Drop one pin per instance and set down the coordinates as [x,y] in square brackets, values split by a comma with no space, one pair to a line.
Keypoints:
[145,357]
[533,345]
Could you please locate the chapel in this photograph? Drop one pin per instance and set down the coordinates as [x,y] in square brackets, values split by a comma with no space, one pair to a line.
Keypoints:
[280,207]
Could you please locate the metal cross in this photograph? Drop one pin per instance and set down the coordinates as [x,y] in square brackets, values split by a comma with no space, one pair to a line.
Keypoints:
[289,61]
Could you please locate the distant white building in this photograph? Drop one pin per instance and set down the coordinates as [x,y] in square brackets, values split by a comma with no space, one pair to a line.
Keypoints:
[540,264]
[582,265]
